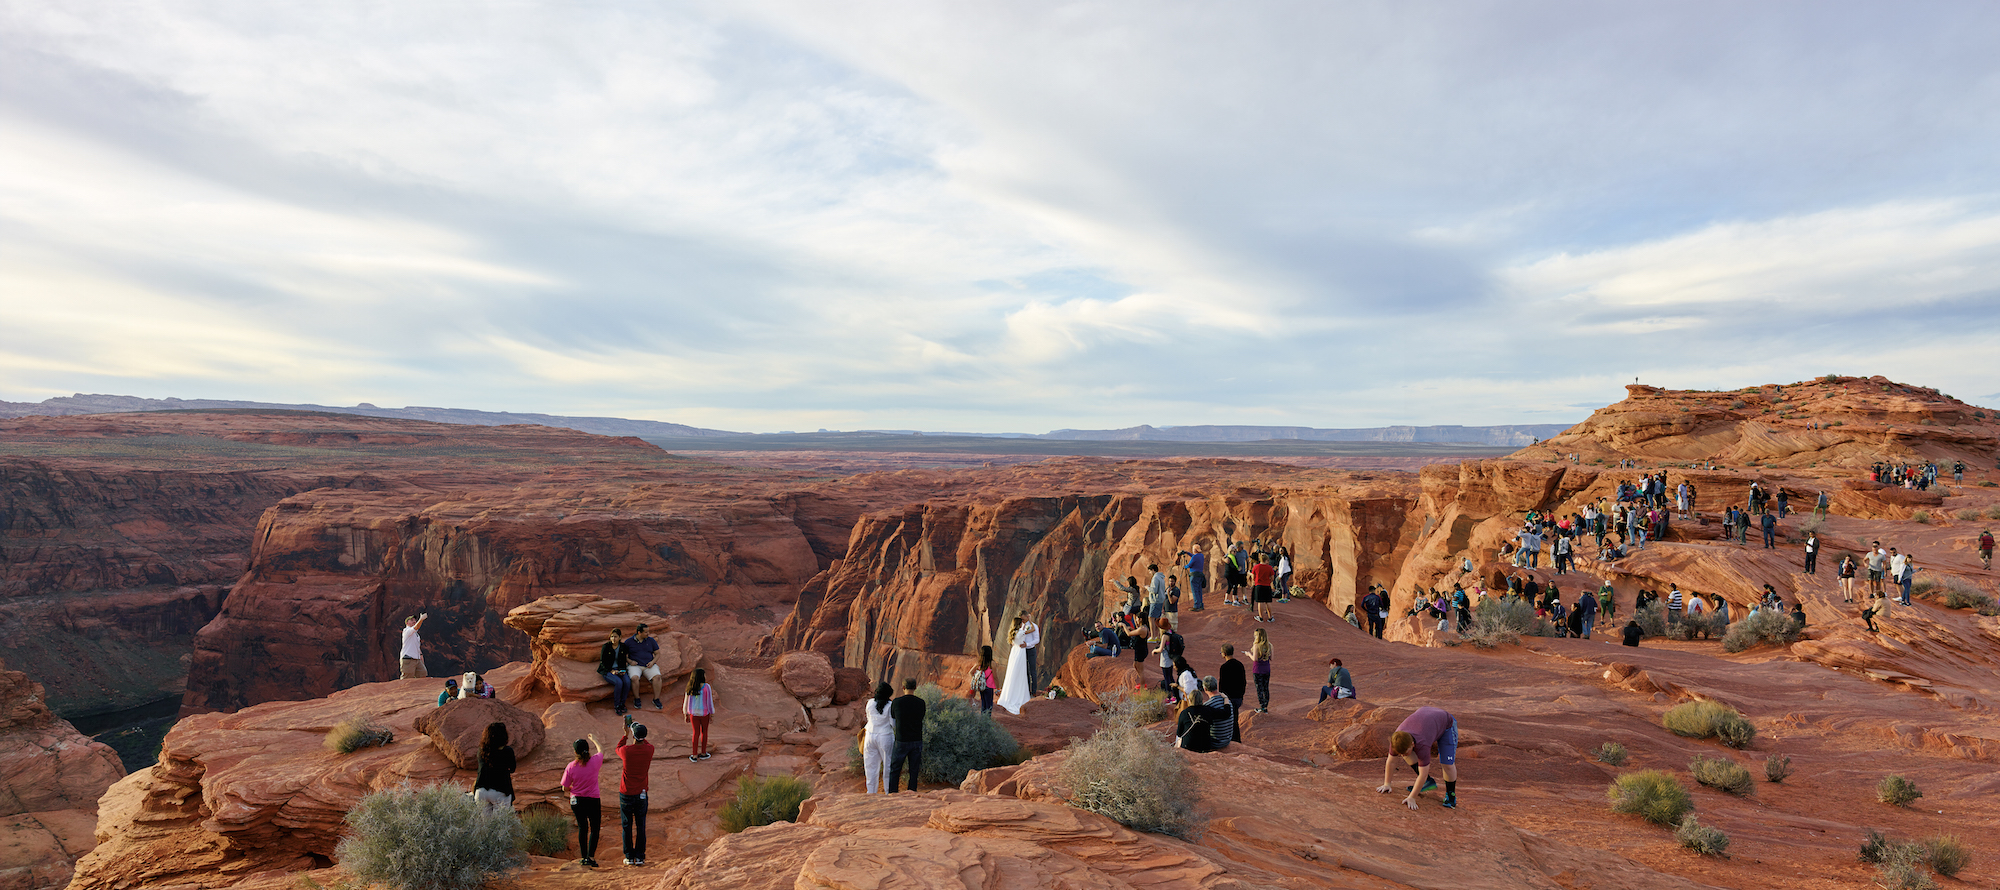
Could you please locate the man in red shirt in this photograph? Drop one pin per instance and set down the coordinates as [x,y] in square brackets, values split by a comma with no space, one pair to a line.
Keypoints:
[1263,573]
[637,758]
[1986,549]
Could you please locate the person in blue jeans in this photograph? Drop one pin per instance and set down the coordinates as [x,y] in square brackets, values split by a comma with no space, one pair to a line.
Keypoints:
[1197,571]
[1586,613]
[613,664]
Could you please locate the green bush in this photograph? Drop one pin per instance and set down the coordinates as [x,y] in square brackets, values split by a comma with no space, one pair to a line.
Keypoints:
[1777,767]
[1992,512]
[1876,847]
[1958,596]
[958,739]
[1651,793]
[356,732]
[1897,791]
[1136,777]
[1721,773]
[1767,626]
[435,838]
[547,828]
[1497,621]
[763,802]
[1967,515]
[1145,707]
[1922,516]
[1652,619]
[1903,874]
[1707,719]
[1611,753]
[1947,855]
[856,767]
[1701,838]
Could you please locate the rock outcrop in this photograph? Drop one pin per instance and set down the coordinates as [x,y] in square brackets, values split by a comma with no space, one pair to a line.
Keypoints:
[457,728]
[50,779]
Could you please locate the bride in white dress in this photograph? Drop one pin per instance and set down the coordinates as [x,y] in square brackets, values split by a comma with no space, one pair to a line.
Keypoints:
[1014,689]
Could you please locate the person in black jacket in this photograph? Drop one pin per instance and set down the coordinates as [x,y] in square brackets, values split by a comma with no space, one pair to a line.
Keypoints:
[1232,683]
[906,713]
[495,784]
[612,664]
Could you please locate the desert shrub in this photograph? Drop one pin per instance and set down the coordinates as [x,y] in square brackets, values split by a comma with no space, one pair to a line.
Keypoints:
[1922,516]
[1992,512]
[1721,773]
[1777,767]
[1897,791]
[1701,838]
[763,801]
[1135,777]
[1707,719]
[434,838]
[1651,793]
[958,739]
[1652,619]
[1875,847]
[356,732]
[1737,404]
[1988,483]
[1767,626]
[1967,515]
[1146,707]
[1611,753]
[1947,855]
[856,766]
[1497,621]
[547,830]
[1902,874]
[1958,596]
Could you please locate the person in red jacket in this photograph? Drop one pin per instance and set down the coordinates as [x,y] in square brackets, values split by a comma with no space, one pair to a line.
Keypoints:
[1263,574]
[636,764]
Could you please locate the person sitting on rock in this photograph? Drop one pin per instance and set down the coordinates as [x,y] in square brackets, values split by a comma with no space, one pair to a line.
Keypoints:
[1223,730]
[1632,632]
[1194,727]
[1339,683]
[640,651]
[1429,729]
[1107,639]
[613,666]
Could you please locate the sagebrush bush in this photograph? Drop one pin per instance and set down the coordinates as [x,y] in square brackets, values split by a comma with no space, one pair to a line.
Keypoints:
[764,801]
[434,838]
[1146,706]
[1897,791]
[1992,512]
[1767,626]
[1902,874]
[547,830]
[1721,773]
[1958,596]
[958,739]
[1922,516]
[1611,753]
[1947,855]
[1651,793]
[1498,621]
[1652,619]
[1875,847]
[1777,767]
[1136,777]
[1703,839]
[356,732]
[855,765]
[1967,515]
[1707,719]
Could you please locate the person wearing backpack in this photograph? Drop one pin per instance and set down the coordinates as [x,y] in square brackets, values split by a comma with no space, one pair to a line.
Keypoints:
[982,680]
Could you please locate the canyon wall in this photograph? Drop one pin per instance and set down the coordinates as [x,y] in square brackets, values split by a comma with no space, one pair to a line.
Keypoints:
[50,779]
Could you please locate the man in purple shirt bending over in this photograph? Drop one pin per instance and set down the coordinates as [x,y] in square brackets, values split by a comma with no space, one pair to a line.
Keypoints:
[1412,743]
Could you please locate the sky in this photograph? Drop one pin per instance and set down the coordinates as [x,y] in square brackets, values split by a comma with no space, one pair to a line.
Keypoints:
[762,215]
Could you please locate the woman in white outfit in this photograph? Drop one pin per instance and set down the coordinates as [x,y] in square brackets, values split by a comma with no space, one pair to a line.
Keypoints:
[1014,690]
[878,739]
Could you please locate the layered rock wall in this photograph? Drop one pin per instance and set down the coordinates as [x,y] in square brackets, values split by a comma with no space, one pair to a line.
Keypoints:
[50,779]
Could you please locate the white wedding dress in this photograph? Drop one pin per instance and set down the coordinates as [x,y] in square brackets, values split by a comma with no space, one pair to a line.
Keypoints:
[1014,689]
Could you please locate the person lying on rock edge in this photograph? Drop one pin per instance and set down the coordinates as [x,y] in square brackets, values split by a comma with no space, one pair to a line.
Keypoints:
[1413,741]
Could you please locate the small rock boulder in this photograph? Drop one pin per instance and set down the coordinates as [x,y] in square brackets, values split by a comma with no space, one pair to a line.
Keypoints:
[808,676]
[851,685]
[457,727]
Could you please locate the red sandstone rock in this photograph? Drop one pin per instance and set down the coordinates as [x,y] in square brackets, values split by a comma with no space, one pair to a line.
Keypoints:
[807,676]
[50,779]
[567,633]
[457,728]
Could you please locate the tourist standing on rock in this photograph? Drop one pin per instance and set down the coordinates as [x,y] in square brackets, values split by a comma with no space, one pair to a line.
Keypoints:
[1174,602]
[580,782]
[640,652]
[1905,573]
[982,680]
[1769,523]
[413,647]
[613,665]
[1586,614]
[1821,506]
[1675,602]
[1260,668]
[494,785]
[1171,648]
[1156,594]
[878,741]
[1184,675]
[1014,691]
[1845,570]
[1812,553]
[1031,641]
[699,708]
[1412,742]
[1878,560]
[1135,596]
[1263,573]
[1236,573]
[1284,584]
[1232,683]
[1986,549]
[907,714]
[635,770]
[1197,572]
[1376,605]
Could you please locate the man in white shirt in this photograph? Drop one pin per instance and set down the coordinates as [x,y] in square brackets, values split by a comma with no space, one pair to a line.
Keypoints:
[1031,637]
[413,647]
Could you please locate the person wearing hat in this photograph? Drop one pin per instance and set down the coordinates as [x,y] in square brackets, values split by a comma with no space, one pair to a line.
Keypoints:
[641,653]
[450,692]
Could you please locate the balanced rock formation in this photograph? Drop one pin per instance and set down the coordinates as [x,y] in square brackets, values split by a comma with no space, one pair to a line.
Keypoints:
[566,632]
[808,676]
[50,779]
[458,727]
